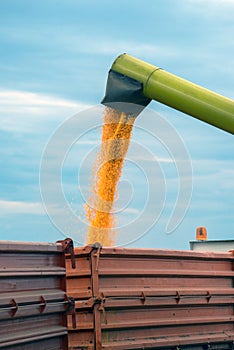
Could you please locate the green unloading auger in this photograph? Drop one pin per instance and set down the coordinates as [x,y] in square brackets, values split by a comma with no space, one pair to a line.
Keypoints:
[134,83]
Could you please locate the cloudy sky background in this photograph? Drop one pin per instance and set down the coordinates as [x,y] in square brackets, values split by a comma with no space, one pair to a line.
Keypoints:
[55,56]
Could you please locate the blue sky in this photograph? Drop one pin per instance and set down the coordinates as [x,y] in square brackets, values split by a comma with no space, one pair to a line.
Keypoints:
[55,56]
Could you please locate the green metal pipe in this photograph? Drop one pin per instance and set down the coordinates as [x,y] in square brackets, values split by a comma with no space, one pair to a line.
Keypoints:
[178,93]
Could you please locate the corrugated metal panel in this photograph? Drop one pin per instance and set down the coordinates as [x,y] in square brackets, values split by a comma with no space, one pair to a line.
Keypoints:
[33,300]
[151,299]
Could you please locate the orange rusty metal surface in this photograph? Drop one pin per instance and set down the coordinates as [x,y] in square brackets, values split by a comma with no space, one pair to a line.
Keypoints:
[33,300]
[151,299]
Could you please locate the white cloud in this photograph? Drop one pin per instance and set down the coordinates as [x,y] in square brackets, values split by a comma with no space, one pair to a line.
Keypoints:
[78,43]
[18,207]
[88,142]
[219,35]
[211,8]
[24,99]
[214,2]
[108,46]
[23,111]
[134,48]
[215,174]
[153,158]
[131,211]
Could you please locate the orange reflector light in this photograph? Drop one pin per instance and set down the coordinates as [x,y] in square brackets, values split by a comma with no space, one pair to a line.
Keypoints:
[201,234]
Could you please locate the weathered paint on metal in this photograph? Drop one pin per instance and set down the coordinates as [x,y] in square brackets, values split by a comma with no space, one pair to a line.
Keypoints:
[33,299]
[151,299]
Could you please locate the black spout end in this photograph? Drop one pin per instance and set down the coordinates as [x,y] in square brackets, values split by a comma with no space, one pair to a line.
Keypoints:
[126,93]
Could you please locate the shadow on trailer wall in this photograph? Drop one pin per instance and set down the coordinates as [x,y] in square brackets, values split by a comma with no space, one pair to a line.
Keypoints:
[151,299]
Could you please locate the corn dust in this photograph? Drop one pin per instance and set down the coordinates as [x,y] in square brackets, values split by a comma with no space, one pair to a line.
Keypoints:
[116,134]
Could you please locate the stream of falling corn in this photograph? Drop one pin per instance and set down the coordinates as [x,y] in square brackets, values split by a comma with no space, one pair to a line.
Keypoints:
[116,134]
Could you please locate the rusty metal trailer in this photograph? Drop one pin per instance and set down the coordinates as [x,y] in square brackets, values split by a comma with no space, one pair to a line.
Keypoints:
[151,299]
[33,299]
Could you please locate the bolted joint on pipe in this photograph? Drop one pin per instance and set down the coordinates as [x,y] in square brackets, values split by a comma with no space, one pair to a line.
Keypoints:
[132,81]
